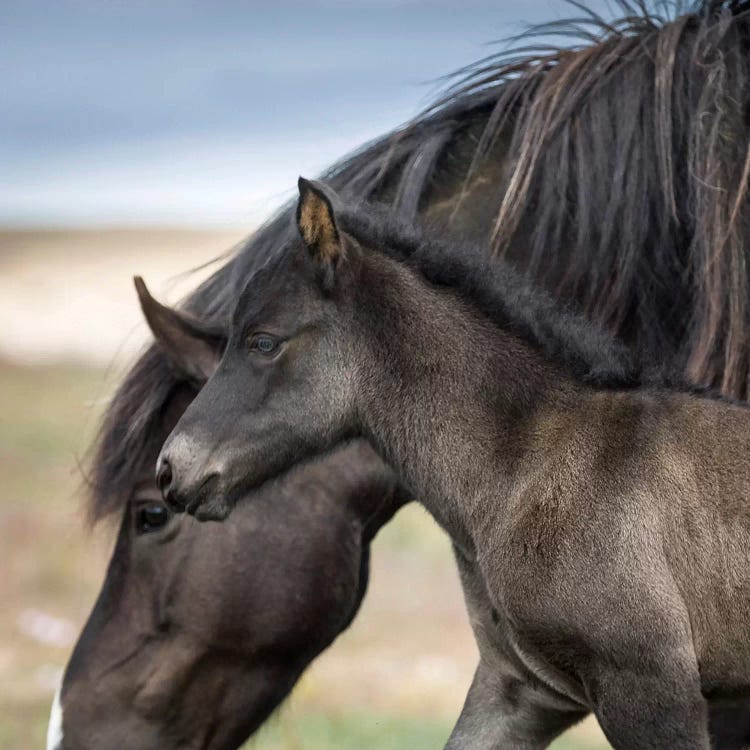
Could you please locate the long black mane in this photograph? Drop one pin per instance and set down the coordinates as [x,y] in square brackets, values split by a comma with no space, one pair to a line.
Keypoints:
[632,154]
[614,172]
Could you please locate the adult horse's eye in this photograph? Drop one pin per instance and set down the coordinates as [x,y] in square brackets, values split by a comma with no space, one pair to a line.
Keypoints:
[264,343]
[151,518]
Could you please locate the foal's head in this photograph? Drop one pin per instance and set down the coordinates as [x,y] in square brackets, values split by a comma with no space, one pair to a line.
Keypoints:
[285,386]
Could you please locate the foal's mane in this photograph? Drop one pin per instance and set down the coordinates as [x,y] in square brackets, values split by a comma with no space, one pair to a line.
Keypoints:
[626,154]
[497,291]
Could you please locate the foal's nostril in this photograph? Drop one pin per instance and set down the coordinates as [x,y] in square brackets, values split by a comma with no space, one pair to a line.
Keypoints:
[164,476]
[164,480]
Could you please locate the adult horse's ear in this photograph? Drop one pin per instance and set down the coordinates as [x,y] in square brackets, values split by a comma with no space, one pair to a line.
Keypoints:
[192,347]
[316,221]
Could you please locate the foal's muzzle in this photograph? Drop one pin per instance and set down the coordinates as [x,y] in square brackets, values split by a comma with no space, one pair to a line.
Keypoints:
[188,477]
[164,482]
[175,499]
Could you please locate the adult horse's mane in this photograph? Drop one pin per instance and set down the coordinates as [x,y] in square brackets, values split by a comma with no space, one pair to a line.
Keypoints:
[621,168]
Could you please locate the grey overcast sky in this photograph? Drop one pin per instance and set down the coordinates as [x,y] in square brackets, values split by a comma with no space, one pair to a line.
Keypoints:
[203,113]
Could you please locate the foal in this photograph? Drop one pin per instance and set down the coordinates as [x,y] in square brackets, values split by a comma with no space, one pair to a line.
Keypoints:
[608,523]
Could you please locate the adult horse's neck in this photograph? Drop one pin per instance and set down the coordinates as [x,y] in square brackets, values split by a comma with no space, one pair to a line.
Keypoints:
[450,400]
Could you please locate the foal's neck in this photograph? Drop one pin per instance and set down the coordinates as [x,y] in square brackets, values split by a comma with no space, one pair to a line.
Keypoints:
[450,400]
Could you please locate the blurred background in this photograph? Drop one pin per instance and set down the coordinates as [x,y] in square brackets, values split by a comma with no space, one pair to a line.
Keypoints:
[149,137]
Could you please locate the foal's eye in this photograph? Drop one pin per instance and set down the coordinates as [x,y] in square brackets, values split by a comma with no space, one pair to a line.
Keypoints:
[264,343]
[151,518]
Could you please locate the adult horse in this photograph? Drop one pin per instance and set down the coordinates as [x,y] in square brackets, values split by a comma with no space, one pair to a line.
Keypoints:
[614,173]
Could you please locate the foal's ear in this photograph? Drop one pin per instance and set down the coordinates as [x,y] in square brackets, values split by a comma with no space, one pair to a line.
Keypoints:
[192,347]
[316,221]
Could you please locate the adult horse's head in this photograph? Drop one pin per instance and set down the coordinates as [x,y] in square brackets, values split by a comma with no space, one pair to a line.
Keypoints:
[201,630]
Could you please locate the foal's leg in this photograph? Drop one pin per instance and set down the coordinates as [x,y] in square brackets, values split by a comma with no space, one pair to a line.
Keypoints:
[502,713]
[651,711]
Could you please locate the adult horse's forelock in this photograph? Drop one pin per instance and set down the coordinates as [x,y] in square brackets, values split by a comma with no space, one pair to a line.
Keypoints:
[130,425]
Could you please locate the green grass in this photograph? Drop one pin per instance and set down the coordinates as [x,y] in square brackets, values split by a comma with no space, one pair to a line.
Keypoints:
[296,731]
[361,730]
[349,730]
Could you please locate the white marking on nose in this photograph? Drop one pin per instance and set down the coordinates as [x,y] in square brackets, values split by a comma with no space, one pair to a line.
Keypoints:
[55,727]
